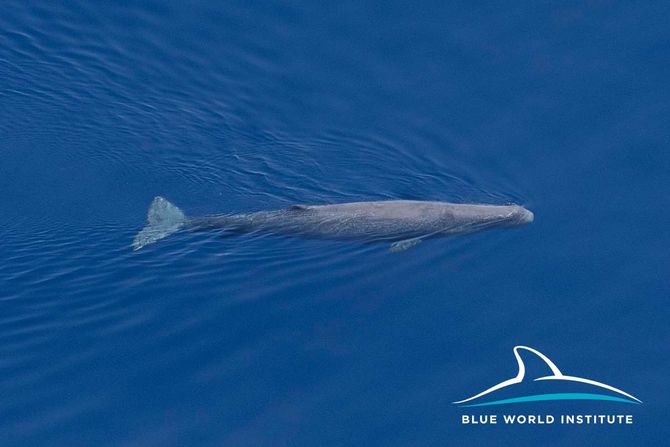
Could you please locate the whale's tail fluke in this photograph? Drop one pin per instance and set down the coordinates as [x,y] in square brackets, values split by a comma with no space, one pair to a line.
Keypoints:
[163,219]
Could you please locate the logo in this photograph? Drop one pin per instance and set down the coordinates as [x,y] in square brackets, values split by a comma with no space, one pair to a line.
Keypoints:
[578,388]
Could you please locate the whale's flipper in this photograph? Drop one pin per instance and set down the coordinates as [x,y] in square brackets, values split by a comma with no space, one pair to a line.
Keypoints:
[404,244]
[163,219]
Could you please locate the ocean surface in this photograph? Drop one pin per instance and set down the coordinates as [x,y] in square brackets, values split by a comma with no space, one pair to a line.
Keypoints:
[258,340]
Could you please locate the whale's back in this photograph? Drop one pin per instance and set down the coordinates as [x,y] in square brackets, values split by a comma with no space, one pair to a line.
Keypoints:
[387,220]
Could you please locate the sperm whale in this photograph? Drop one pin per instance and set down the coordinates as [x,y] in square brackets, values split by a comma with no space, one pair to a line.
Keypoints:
[403,223]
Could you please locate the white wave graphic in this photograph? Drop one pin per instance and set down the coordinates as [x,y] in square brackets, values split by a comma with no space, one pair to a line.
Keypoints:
[556,375]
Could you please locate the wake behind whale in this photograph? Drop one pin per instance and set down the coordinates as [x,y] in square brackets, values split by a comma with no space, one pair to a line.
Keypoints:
[404,223]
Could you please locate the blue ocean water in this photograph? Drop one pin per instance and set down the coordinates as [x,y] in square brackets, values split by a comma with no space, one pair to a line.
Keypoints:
[266,341]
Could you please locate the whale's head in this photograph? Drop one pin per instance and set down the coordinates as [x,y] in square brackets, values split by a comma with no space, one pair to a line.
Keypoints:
[519,215]
[478,217]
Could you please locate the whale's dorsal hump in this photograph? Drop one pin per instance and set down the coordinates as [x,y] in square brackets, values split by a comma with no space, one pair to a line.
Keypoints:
[533,364]
[299,207]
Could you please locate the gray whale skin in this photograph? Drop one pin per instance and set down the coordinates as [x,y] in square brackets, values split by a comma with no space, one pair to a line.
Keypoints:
[404,223]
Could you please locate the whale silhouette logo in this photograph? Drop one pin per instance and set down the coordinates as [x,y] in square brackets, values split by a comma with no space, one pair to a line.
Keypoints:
[599,389]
